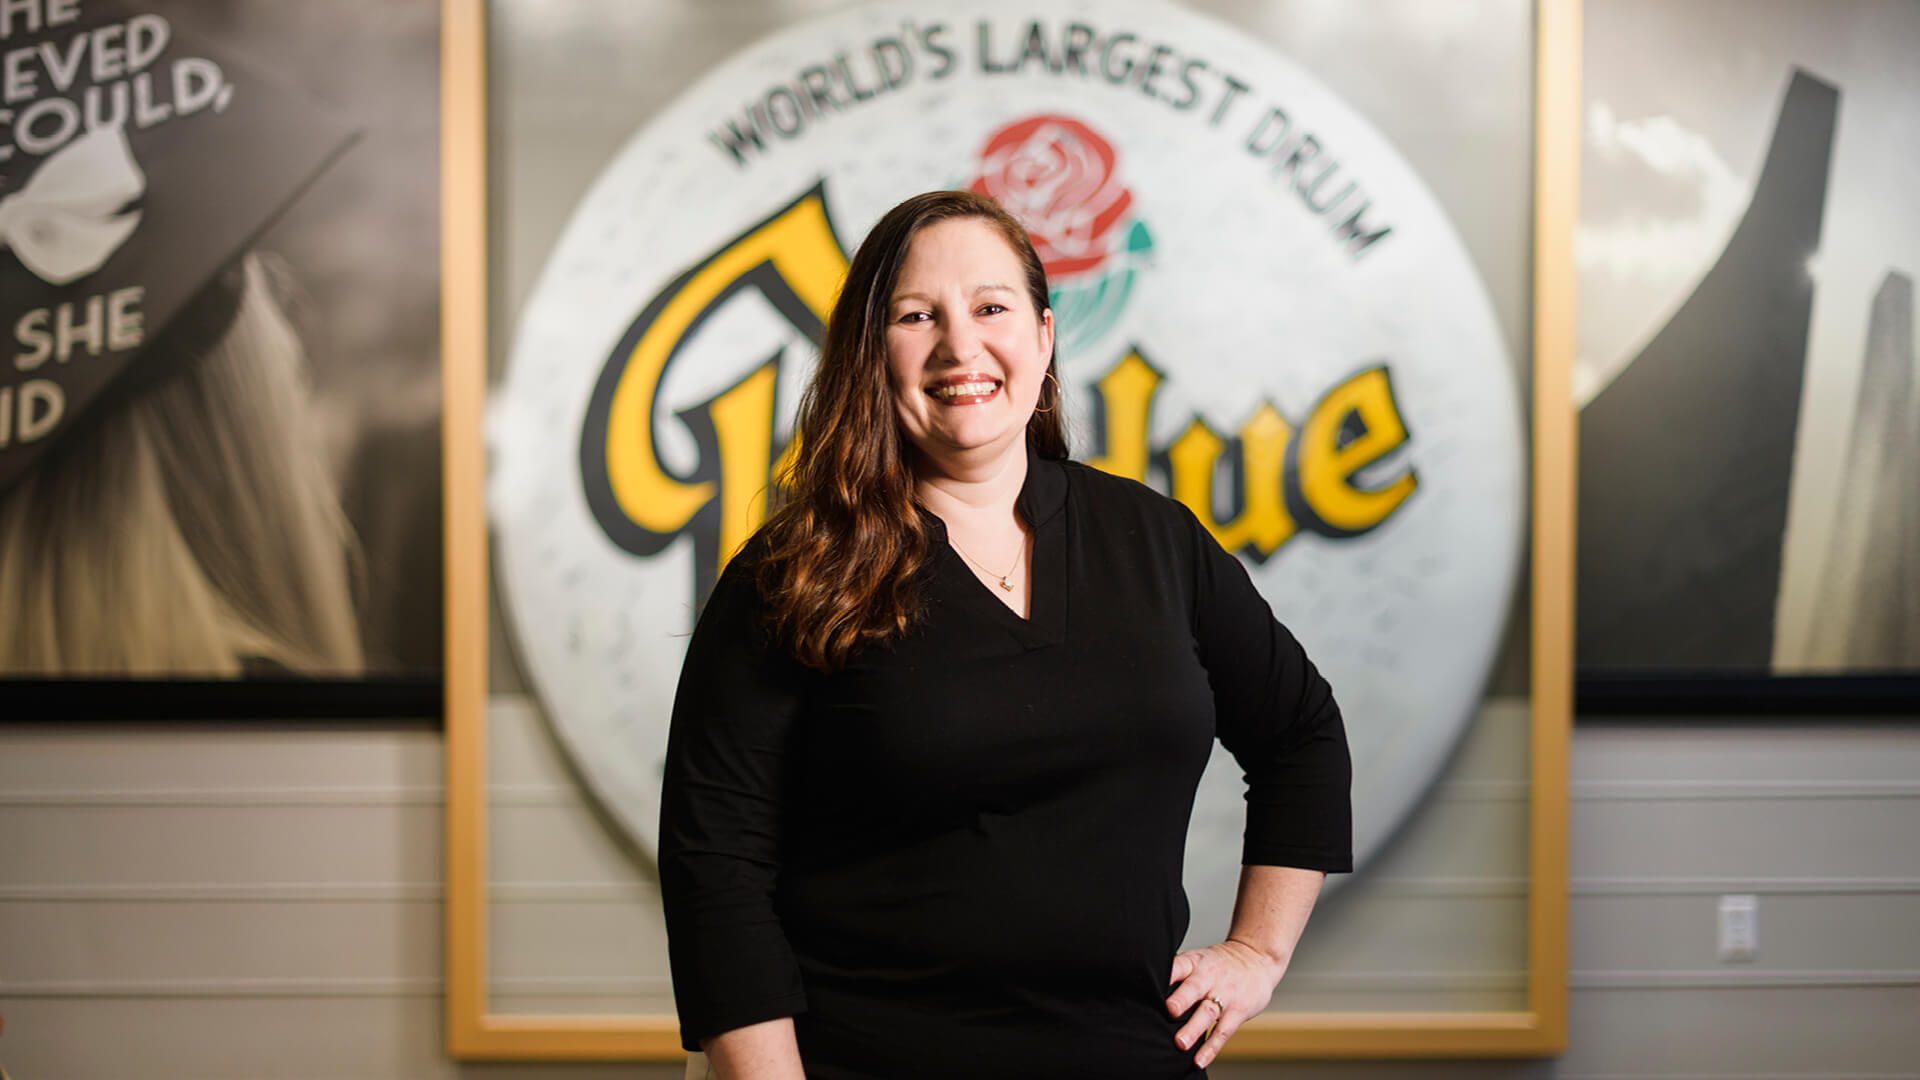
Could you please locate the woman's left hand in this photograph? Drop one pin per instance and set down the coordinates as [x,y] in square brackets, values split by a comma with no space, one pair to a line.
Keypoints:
[1229,982]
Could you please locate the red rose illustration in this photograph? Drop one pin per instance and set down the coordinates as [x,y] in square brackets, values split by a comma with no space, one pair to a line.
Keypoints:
[1057,176]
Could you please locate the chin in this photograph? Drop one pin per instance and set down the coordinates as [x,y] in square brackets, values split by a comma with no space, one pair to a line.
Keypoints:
[973,444]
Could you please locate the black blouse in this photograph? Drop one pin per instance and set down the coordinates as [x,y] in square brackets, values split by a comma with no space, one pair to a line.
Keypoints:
[960,856]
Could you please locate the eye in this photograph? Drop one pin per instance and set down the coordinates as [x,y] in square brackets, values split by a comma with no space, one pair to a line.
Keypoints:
[991,309]
[914,317]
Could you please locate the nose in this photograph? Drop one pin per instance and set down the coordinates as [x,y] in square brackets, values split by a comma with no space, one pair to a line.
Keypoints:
[959,341]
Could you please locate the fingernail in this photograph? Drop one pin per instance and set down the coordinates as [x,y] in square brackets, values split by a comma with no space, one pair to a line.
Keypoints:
[1183,1041]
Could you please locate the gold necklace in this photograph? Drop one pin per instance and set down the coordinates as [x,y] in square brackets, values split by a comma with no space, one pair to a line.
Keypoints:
[1004,583]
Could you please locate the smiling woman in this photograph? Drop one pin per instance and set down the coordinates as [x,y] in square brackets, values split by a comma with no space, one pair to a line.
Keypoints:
[946,293]
[967,352]
[872,869]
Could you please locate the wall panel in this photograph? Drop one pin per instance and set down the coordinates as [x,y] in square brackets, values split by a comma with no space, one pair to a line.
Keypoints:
[229,903]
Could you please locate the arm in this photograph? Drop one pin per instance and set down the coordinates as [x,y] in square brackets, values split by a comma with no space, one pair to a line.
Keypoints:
[763,1051]
[1269,913]
[1277,716]
[723,816]
[1271,910]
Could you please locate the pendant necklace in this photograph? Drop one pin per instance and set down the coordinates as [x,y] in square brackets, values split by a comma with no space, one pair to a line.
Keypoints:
[1004,583]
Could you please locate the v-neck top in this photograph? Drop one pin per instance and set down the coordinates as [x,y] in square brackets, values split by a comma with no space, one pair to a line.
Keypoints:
[960,855]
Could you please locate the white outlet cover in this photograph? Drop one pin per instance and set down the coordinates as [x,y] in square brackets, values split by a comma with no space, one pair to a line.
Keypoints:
[1739,926]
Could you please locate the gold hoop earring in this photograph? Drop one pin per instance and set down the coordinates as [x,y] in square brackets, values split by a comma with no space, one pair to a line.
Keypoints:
[1056,395]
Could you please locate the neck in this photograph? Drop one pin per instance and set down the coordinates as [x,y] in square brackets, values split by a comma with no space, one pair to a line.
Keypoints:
[976,491]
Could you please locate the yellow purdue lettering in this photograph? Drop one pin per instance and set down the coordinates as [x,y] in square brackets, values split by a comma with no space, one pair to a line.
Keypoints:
[1263,525]
[743,420]
[1285,483]
[798,244]
[1356,424]
[1126,394]
[795,260]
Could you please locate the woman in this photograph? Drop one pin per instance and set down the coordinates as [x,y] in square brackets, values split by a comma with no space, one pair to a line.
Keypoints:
[187,528]
[939,728]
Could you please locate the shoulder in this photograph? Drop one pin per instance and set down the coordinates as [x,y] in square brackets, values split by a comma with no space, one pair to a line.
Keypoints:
[734,625]
[748,557]
[736,593]
[1128,515]
[1108,496]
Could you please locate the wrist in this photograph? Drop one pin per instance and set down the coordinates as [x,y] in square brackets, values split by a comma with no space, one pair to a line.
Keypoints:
[1273,956]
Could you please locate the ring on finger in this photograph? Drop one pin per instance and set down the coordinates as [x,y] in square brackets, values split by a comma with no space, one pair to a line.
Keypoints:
[1218,1009]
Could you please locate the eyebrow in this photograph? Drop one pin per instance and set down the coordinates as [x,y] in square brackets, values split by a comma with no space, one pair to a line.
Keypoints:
[977,290]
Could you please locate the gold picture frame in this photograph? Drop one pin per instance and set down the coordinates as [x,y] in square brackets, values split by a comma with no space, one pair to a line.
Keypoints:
[1539,1029]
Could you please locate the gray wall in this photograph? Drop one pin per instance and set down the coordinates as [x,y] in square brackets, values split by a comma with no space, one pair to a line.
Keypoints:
[209,902]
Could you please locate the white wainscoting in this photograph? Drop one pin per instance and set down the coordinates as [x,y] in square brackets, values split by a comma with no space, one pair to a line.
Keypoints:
[212,902]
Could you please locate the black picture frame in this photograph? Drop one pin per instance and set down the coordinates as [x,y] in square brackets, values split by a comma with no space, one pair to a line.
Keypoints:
[1749,457]
[412,699]
[362,232]
[1607,695]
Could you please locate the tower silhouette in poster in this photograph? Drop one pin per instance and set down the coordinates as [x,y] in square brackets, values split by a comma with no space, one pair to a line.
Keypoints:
[1867,615]
[1687,455]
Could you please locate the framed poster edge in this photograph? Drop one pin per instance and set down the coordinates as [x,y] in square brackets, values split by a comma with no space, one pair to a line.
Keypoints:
[463,376]
[1603,697]
[377,700]
[401,700]
[474,1033]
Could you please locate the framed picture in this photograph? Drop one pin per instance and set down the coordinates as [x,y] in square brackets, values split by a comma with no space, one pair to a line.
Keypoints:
[1336,326]
[220,426]
[1750,400]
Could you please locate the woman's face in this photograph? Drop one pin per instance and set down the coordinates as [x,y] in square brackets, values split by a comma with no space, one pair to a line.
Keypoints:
[966,351]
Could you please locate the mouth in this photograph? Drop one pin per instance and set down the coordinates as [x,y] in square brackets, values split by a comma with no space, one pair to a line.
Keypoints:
[971,388]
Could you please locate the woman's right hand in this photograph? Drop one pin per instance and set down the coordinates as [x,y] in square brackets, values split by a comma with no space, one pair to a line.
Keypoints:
[763,1051]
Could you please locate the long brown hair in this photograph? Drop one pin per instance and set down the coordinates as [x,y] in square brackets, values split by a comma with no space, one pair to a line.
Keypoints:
[847,545]
[193,530]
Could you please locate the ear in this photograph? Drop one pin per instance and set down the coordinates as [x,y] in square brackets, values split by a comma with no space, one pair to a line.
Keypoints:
[1046,332]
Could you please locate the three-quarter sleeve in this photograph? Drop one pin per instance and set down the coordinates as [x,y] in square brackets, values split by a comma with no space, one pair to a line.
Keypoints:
[1277,716]
[721,813]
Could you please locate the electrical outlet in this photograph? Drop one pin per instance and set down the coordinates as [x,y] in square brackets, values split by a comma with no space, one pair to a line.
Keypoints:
[1739,927]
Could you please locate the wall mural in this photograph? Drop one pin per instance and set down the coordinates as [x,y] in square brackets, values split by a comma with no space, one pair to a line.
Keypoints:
[1750,437]
[1262,311]
[219,295]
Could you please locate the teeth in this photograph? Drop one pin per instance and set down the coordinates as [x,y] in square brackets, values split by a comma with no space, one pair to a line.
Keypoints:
[965,389]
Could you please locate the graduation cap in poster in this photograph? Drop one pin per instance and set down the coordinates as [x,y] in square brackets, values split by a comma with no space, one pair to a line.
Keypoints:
[137,167]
